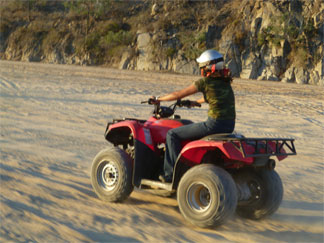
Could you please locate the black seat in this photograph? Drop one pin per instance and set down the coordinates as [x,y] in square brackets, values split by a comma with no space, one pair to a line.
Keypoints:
[220,136]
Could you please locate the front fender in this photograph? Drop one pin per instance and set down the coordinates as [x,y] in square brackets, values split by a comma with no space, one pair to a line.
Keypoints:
[132,132]
[117,132]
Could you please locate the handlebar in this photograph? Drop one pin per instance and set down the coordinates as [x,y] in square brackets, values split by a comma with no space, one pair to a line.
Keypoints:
[164,111]
[179,103]
[150,101]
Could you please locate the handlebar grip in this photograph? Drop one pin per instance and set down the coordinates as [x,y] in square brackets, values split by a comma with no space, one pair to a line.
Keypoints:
[186,103]
[150,101]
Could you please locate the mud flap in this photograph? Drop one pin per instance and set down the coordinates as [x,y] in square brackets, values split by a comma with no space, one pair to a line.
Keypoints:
[147,163]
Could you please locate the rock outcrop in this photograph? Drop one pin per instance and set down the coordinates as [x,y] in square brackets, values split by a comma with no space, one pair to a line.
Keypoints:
[263,40]
[272,60]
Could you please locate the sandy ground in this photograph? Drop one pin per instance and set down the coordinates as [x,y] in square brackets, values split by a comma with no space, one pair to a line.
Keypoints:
[52,122]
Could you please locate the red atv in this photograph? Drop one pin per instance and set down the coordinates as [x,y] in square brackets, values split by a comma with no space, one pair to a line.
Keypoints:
[213,177]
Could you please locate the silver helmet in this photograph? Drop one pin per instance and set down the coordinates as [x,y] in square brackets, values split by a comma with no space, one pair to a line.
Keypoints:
[211,57]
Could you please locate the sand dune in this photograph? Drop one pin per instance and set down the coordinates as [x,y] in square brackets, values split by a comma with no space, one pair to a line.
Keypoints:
[52,122]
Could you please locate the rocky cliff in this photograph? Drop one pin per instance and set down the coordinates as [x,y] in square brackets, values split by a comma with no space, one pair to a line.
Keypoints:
[265,40]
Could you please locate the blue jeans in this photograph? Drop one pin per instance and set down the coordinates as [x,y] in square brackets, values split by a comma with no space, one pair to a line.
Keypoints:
[192,131]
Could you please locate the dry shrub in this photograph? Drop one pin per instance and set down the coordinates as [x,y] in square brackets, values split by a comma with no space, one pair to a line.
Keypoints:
[299,57]
[52,39]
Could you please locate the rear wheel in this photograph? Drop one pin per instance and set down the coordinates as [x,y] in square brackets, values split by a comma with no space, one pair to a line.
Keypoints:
[207,195]
[265,193]
[111,175]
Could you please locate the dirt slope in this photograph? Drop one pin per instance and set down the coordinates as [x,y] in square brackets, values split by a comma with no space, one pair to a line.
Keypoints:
[52,123]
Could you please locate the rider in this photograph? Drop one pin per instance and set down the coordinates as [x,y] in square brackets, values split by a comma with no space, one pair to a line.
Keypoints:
[217,92]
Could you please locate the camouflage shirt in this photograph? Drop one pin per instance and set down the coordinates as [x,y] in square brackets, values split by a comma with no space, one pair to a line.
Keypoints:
[219,95]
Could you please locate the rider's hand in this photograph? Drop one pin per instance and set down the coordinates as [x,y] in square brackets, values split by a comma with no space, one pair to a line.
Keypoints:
[194,103]
[188,103]
[153,100]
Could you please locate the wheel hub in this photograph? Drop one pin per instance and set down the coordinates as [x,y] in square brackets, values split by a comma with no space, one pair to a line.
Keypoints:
[108,176]
[249,192]
[198,197]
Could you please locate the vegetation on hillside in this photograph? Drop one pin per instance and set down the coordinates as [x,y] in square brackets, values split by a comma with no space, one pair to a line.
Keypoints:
[94,27]
[103,29]
[301,38]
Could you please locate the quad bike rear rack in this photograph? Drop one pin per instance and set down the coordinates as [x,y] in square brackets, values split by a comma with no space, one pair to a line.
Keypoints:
[283,146]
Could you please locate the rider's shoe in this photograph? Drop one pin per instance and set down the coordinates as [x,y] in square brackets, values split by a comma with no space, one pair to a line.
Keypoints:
[165,179]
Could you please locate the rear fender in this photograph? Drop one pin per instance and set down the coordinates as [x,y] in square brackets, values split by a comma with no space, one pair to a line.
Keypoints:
[194,151]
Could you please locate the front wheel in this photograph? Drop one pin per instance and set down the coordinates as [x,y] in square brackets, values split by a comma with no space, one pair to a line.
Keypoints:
[207,195]
[265,193]
[111,175]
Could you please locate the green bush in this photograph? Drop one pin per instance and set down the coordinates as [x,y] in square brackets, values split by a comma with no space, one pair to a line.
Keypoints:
[111,26]
[309,29]
[193,44]
[170,51]
[113,39]
[301,57]
[94,8]
[239,38]
[5,27]
[51,39]
[284,27]
[201,37]
[276,41]
[262,40]
[103,46]
[291,31]
[91,42]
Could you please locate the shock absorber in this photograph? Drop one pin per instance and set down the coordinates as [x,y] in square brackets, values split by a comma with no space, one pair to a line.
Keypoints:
[243,192]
